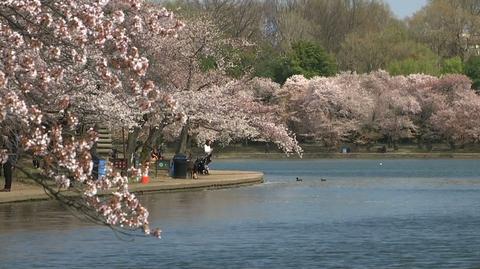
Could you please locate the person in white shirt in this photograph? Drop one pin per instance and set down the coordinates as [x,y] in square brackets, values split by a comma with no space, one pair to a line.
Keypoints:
[208,153]
[208,148]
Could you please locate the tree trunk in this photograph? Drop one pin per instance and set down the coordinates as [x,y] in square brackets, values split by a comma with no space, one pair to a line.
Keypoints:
[389,142]
[183,141]
[149,144]
[395,145]
[420,142]
[369,147]
[131,144]
[451,144]
[429,146]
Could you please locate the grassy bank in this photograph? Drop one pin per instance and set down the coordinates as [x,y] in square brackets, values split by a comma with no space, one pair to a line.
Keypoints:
[314,151]
[326,155]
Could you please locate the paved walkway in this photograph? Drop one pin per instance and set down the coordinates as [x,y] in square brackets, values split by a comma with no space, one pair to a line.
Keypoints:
[160,183]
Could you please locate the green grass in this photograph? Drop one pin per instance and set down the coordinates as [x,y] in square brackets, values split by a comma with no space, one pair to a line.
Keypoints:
[318,151]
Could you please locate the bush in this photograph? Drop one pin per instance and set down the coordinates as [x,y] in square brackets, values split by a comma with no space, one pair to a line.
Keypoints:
[304,58]
[452,66]
[309,59]
[472,70]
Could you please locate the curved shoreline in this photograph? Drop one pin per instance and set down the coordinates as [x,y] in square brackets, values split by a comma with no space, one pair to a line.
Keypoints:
[217,179]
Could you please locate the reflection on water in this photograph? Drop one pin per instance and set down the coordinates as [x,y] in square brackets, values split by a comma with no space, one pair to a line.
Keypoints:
[401,214]
[34,216]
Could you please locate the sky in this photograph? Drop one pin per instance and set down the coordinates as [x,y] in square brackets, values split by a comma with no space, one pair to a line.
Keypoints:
[404,8]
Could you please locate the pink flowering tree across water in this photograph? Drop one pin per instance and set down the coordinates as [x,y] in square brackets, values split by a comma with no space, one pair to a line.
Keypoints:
[363,109]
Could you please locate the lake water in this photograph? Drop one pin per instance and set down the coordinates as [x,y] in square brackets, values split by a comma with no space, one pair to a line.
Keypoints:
[367,214]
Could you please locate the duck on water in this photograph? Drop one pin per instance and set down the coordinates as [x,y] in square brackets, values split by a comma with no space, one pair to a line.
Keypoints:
[321,179]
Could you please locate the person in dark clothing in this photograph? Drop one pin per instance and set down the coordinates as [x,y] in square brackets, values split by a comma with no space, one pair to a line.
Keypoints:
[7,172]
[36,162]
[9,158]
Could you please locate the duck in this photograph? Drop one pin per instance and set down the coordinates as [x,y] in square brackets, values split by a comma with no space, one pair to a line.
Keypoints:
[299,179]
[323,179]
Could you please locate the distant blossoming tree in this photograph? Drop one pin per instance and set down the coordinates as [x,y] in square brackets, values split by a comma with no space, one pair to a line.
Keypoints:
[367,108]
[394,105]
[332,109]
[457,120]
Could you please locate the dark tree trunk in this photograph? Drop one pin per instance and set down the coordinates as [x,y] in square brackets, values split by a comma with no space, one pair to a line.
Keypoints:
[183,141]
[389,142]
[369,146]
[429,146]
[149,144]
[131,144]
[420,142]
[452,145]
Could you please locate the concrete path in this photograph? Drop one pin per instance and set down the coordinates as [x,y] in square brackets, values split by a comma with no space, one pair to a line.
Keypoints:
[160,183]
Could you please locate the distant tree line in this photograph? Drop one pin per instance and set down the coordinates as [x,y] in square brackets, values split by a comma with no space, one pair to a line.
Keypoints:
[366,109]
[321,37]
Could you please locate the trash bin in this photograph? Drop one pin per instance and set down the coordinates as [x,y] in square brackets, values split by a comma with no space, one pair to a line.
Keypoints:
[180,164]
[99,168]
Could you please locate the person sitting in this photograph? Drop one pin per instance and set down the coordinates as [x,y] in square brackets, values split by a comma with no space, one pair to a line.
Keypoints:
[157,153]
[154,155]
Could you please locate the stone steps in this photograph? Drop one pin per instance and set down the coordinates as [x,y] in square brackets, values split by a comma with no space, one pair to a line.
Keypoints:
[104,142]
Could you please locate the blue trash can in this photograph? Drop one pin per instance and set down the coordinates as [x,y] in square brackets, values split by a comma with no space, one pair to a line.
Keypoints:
[180,164]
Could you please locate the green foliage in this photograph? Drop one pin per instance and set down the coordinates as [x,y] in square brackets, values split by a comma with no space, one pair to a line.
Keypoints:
[275,67]
[472,70]
[452,66]
[271,64]
[424,61]
[413,66]
[391,49]
[305,58]
[242,61]
[266,61]
[207,63]
[309,59]
[413,58]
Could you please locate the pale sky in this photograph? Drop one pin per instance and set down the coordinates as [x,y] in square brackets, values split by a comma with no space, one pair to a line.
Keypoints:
[404,8]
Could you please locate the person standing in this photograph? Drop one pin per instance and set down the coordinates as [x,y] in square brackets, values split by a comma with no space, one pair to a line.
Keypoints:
[208,153]
[3,159]
[9,153]
[8,173]
[208,148]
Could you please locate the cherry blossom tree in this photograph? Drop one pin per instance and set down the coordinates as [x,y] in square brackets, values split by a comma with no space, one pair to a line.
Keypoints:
[57,58]
[176,66]
[457,119]
[332,108]
[430,101]
[231,112]
[208,103]
[394,106]
[367,108]
[352,108]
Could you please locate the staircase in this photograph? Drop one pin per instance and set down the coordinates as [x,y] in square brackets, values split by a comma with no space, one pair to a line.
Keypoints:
[104,143]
